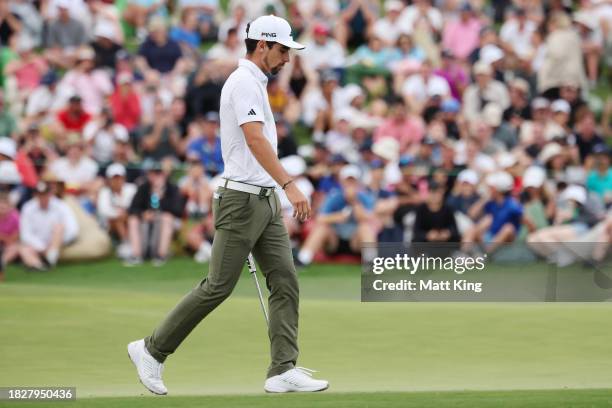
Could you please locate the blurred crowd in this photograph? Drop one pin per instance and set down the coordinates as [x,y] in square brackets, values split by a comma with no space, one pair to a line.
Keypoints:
[423,120]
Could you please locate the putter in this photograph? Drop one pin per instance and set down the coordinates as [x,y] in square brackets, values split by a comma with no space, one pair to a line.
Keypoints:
[253,271]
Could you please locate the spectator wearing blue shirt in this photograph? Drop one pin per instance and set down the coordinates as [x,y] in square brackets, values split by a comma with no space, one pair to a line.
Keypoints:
[158,51]
[187,32]
[208,146]
[501,214]
[344,220]
[599,179]
[330,182]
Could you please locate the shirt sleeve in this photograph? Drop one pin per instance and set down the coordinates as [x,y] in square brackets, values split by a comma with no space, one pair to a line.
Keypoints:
[248,103]
[333,203]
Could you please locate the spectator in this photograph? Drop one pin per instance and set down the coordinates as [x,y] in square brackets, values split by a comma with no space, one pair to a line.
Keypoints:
[195,187]
[63,35]
[159,52]
[323,52]
[186,33]
[125,103]
[563,57]
[46,225]
[138,13]
[464,194]
[419,89]
[8,125]
[461,36]
[586,137]
[113,202]
[599,179]
[575,215]
[407,129]
[435,220]
[516,34]
[92,85]
[76,169]
[101,134]
[9,232]
[162,138]
[229,51]
[73,117]
[388,28]
[484,90]
[45,99]
[105,46]
[344,222]
[153,216]
[501,215]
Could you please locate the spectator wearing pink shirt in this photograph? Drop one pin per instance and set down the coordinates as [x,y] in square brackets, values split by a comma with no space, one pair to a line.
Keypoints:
[9,232]
[461,36]
[401,126]
[92,85]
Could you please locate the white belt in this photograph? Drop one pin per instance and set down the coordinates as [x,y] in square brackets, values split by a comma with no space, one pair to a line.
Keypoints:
[248,188]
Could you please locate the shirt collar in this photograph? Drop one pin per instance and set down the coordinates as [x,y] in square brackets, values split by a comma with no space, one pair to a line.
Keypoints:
[254,69]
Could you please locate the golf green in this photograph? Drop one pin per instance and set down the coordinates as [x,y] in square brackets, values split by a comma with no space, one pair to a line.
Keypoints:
[70,327]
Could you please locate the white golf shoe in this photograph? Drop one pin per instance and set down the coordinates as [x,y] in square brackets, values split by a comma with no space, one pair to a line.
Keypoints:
[149,369]
[298,379]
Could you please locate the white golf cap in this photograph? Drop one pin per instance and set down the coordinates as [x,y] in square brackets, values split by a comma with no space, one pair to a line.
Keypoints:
[273,28]
[393,5]
[9,173]
[350,170]
[115,169]
[468,176]
[294,165]
[561,105]
[501,181]
[534,176]
[492,114]
[8,147]
[505,160]
[540,103]
[491,53]
[549,151]
[574,192]
[387,148]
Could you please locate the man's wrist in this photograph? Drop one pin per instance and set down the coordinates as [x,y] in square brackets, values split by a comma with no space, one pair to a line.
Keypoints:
[287,184]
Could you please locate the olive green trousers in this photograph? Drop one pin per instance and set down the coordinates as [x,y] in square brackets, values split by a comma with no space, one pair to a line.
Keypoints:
[244,223]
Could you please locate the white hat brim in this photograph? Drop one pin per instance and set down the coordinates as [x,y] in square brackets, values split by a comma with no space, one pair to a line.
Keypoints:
[291,44]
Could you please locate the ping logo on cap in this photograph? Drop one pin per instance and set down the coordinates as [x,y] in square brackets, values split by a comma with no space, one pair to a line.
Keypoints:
[269,35]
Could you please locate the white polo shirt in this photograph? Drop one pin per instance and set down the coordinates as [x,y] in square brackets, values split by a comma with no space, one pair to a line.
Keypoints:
[244,98]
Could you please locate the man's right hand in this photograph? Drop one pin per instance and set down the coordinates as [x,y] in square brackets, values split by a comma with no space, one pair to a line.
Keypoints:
[301,206]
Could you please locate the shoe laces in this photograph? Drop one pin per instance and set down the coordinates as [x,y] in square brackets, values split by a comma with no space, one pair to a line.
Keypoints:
[306,371]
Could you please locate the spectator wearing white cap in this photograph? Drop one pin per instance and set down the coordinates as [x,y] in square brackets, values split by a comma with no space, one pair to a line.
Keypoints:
[388,28]
[561,111]
[484,90]
[228,52]
[576,213]
[319,103]
[323,51]
[501,215]
[464,194]
[344,220]
[106,44]
[503,133]
[113,201]
[540,115]
[538,206]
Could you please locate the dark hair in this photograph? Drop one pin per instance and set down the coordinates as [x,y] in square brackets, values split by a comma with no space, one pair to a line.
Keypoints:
[251,44]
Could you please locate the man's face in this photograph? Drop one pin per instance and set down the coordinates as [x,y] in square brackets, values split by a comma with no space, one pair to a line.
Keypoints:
[275,58]
[43,199]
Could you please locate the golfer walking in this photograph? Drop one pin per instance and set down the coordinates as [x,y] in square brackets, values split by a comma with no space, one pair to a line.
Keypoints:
[247,215]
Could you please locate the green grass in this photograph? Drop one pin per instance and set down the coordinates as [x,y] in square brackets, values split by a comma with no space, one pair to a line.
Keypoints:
[70,327]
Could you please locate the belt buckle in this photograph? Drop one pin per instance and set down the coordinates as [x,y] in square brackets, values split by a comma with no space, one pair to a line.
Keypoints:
[264,192]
